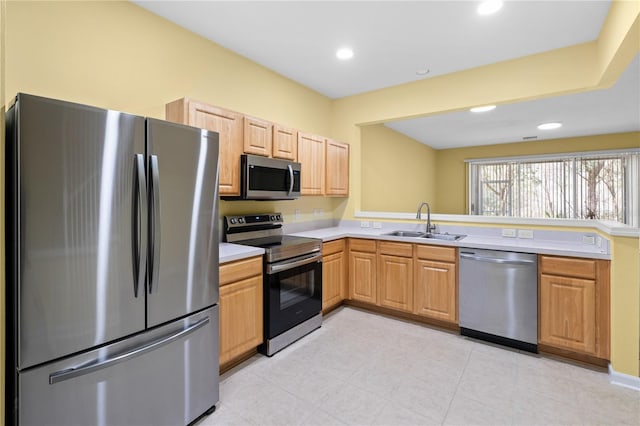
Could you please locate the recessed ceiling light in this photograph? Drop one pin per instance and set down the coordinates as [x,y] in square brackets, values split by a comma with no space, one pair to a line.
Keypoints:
[423,71]
[483,108]
[489,7]
[549,126]
[344,53]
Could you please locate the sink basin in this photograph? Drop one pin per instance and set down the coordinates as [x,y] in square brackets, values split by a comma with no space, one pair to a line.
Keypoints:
[445,237]
[412,234]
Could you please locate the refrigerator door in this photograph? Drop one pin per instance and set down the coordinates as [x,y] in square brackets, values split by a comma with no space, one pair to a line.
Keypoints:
[183,222]
[168,376]
[77,189]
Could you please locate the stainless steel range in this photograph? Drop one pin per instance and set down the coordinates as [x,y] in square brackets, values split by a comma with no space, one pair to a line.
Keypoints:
[292,277]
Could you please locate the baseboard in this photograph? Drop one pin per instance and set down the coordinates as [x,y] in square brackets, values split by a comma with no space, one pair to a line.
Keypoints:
[622,379]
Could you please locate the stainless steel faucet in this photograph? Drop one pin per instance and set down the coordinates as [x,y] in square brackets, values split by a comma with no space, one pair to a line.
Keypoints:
[419,216]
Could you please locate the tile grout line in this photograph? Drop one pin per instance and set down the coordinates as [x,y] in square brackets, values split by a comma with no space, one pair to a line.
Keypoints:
[457,386]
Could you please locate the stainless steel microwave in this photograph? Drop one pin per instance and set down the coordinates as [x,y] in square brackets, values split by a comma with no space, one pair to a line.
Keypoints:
[263,178]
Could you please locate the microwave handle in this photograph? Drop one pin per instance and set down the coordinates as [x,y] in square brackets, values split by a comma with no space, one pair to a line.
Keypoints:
[291,179]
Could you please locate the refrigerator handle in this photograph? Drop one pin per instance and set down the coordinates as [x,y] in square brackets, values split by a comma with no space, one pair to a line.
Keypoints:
[139,223]
[84,369]
[154,224]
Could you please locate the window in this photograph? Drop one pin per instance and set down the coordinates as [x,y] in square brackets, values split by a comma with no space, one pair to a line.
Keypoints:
[590,185]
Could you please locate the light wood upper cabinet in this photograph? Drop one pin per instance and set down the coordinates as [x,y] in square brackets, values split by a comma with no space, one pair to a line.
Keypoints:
[312,159]
[258,136]
[229,126]
[334,273]
[436,283]
[363,271]
[285,143]
[337,173]
[240,308]
[574,304]
[395,282]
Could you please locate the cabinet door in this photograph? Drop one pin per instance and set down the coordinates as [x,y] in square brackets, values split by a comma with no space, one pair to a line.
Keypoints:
[258,135]
[568,313]
[312,160]
[337,174]
[333,279]
[285,143]
[240,317]
[396,282]
[436,294]
[229,126]
[362,276]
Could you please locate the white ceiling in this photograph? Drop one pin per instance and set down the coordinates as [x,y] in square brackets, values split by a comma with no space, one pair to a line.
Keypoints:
[394,39]
[597,112]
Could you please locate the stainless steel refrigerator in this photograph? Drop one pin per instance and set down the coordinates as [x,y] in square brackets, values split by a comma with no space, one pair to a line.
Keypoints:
[112,267]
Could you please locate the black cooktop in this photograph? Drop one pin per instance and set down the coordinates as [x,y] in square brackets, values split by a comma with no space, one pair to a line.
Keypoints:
[281,247]
[265,231]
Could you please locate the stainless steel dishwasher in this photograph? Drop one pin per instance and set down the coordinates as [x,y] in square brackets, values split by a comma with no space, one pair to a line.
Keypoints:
[499,297]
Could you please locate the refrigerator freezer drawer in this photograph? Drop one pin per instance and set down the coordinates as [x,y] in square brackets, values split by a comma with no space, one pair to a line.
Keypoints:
[168,376]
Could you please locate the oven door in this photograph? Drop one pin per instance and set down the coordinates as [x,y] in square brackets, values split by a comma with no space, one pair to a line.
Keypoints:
[293,292]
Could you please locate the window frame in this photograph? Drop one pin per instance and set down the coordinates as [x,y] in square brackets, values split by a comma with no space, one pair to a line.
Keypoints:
[631,199]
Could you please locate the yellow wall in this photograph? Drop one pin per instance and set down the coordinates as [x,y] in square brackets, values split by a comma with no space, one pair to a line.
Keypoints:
[572,69]
[117,55]
[451,167]
[397,172]
[625,311]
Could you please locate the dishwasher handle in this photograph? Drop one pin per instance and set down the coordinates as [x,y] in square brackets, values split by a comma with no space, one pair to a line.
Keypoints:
[471,256]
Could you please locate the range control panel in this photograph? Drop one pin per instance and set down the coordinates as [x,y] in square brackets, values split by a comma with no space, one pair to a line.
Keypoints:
[250,220]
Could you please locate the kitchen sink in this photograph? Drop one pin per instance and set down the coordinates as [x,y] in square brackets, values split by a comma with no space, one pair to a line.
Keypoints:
[412,234]
[418,234]
[445,237]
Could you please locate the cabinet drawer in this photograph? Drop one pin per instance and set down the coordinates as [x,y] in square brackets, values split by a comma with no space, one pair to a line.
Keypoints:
[362,245]
[239,270]
[447,254]
[331,247]
[396,249]
[568,266]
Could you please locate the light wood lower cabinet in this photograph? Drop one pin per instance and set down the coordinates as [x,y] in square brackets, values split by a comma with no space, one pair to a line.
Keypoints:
[574,304]
[436,283]
[363,274]
[241,328]
[436,294]
[334,274]
[395,272]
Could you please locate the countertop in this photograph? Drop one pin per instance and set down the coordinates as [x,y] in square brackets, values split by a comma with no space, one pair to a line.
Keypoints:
[230,252]
[548,243]
[538,246]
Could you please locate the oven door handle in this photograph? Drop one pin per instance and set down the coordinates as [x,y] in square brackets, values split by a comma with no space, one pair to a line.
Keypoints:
[283,266]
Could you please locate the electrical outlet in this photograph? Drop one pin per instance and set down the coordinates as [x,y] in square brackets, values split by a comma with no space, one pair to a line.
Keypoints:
[377,225]
[599,242]
[364,224]
[525,233]
[511,233]
[588,239]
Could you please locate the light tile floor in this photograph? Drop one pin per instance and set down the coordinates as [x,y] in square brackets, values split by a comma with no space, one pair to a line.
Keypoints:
[362,368]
